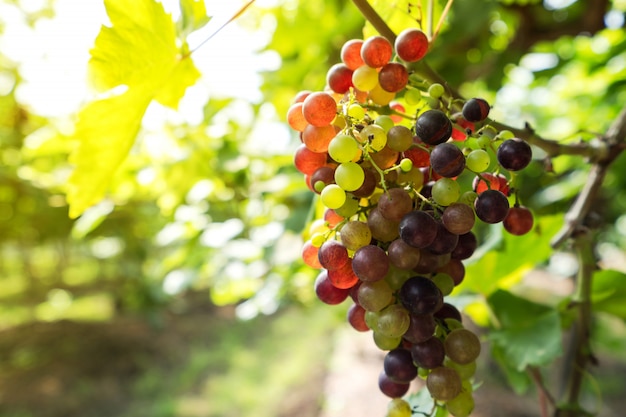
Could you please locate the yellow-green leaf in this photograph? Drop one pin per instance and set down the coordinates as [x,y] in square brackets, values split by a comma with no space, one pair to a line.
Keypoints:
[106,129]
[193,15]
[139,52]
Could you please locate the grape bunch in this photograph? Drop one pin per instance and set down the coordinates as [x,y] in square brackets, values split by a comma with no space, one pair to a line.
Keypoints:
[403,171]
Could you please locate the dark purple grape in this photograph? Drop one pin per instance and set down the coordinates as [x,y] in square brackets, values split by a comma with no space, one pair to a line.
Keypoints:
[475,110]
[428,354]
[447,160]
[514,154]
[418,229]
[444,242]
[419,295]
[448,311]
[370,263]
[398,366]
[433,127]
[491,206]
[391,389]
[421,328]
[466,246]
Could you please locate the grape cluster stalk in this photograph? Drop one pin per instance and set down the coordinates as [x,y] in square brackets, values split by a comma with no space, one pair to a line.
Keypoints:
[404,173]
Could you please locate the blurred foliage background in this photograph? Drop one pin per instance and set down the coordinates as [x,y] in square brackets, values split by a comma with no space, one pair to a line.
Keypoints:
[183,293]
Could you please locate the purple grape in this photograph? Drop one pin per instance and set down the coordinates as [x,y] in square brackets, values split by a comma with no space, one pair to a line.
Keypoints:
[420,295]
[433,127]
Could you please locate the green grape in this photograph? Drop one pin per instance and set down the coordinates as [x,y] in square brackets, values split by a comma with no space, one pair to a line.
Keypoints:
[319,186]
[443,383]
[444,282]
[318,239]
[375,135]
[349,176]
[462,346]
[374,296]
[406,165]
[468,197]
[333,196]
[365,78]
[446,191]
[413,96]
[343,148]
[355,234]
[384,121]
[386,343]
[356,111]
[371,318]
[478,160]
[393,321]
[462,405]
[505,134]
[398,408]
[465,371]
[349,208]
[436,90]
[399,138]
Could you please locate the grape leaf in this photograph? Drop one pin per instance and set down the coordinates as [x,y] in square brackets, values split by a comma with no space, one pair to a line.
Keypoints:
[528,334]
[402,14]
[609,292]
[193,15]
[140,54]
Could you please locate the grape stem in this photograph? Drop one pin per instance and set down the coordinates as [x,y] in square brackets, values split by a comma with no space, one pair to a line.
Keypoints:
[375,20]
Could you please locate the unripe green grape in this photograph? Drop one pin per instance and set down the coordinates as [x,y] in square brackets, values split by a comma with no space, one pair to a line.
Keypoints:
[349,176]
[406,165]
[462,346]
[443,383]
[374,135]
[468,197]
[505,134]
[444,282]
[446,191]
[349,208]
[374,296]
[384,121]
[333,196]
[365,78]
[436,90]
[319,186]
[462,405]
[318,239]
[355,234]
[393,321]
[343,148]
[465,371]
[386,343]
[413,96]
[356,111]
[371,318]
[478,160]
[483,141]
[398,407]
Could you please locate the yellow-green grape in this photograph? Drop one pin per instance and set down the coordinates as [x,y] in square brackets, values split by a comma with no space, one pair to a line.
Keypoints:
[333,196]
[398,408]
[399,138]
[318,239]
[375,135]
[414,178]
[436,90]
[355,234]
[393,321]
[371,318]
[365,78]
[384,121]
[462,405]
[465,371]
[505,134]
[380,96]
[356,111]
[343,148]
[413,97]
[349,176]
[468,197]
[386,343]
[349,208]
[406,165]
[319,186]
[444,282]
[446,191]
[478,160]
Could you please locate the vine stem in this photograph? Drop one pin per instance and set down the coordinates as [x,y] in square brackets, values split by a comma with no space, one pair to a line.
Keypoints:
[375,20]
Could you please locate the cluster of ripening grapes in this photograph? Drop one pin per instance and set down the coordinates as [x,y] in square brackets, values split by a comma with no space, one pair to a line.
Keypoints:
[397,223]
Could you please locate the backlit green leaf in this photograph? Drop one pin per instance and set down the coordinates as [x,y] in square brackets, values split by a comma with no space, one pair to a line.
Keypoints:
[139,52]
[609,292]
[193,15]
